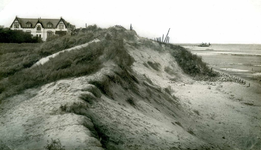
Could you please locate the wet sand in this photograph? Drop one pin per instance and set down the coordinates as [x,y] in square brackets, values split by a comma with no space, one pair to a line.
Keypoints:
[239,60]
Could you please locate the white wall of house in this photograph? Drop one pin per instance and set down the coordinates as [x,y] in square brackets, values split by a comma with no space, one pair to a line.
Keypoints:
[13,26]
[43,33]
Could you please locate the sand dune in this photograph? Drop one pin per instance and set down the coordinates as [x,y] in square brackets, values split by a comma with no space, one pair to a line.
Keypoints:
[152,104]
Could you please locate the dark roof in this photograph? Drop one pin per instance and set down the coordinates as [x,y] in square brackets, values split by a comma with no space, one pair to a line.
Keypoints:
[43,22]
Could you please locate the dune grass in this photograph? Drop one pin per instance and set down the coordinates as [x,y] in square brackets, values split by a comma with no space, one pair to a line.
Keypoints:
[154,65]
[82,62]
[15,57]
[191,64]
[68,64]
[16,60]
[54,145]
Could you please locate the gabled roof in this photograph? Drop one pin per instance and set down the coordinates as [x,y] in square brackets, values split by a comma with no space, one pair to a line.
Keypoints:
[43,22]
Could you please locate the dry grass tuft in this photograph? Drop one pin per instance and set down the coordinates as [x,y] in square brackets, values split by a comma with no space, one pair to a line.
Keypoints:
[131,101]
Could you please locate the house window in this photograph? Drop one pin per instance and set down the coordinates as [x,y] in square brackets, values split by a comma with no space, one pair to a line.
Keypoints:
[28,24]
[16,25]
[39,29]
[61,26]
[38,35]
[49,25]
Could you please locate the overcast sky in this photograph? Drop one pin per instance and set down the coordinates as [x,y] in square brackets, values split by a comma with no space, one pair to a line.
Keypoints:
[191,21]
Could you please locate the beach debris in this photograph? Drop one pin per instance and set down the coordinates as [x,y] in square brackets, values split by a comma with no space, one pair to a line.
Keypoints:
[230,78]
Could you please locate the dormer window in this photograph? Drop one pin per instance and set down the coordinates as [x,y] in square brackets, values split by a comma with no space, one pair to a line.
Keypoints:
[28,24]
[49,25]
[16,24]
[61,25]
[39,29]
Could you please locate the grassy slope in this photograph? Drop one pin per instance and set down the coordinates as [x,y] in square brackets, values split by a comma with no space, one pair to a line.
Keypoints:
[89,60]
[15,57]
[190,63]
[16,64]
[17,76]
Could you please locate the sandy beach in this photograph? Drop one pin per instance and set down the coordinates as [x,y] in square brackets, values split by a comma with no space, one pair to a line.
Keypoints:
[242,60]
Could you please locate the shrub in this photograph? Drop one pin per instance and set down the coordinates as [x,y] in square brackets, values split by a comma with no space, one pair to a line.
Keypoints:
[52,37]
[17,36]
[21,56]
[92,28]
[190,64]
[54,145]
[60,33]
[64,42]
[131,101]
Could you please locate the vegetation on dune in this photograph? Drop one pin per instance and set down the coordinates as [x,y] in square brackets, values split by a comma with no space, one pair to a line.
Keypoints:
[67,64]
[17,75]
[131,101]
[116,52]
[58,44]
[84,61]
[154,65]
[190,63]
[16,57]
[17,36]
[54,145]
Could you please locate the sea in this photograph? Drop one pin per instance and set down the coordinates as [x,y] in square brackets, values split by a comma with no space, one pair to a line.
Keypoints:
[243,60]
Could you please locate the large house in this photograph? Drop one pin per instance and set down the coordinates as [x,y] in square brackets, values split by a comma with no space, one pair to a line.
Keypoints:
[41,27]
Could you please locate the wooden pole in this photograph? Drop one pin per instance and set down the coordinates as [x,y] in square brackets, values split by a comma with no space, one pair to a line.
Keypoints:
[167,35]
[130,26]
[162,38]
